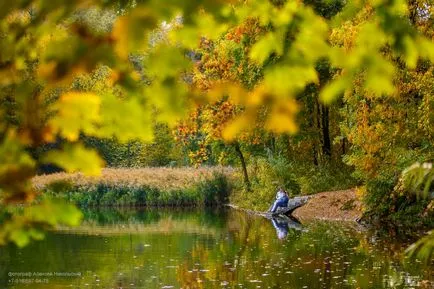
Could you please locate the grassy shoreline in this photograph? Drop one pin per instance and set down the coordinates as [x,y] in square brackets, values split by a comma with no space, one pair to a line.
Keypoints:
[120,187]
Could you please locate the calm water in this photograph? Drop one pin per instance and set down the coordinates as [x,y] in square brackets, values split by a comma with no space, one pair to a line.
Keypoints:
[209,249]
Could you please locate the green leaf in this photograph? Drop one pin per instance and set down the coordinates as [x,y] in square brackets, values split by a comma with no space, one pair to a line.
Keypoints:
[272,42]
[379,76]
[76,158]
[288,80]
[53,212]
[36,234]
[126,119]
[411,53]
[12,154]
[172,101]
[167,61]
[20,237]
[130,32]
[334,89]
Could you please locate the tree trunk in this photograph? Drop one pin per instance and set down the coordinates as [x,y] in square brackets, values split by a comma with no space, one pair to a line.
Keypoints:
[318,142]
[343,146]
[243,165]
[273,144]
[315,155]
[325,126]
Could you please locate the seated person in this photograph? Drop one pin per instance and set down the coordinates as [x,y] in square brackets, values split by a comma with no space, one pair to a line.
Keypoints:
[281,200]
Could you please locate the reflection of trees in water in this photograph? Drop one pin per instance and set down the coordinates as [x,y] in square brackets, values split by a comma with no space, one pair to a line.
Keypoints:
[230,247]
[102,216]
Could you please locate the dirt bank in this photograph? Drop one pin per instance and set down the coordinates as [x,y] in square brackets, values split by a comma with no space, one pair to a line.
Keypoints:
[336,205]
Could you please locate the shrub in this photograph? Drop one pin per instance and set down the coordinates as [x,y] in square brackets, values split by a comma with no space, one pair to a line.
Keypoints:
[322,179]
[215,191]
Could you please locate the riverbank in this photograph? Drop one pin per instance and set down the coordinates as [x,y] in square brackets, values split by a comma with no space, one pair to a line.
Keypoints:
[341,205]
[179,187]
[336,205]
[121,187]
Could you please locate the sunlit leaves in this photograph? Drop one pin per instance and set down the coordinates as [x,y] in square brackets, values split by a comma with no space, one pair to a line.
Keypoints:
[363,57]
[76,158]
[204,26]
[237,125]
[426,48]
[335,89]
[172,101]
[29,223]
[168,91]
[418,178]
[423,248]
[267,13]
[16,168]
[54,212]
[311,40]
[129,31]
[12,154]
[167,61]
[288,80]
[271,43]
[379,76]
[282,117]
[76,112]
[126,119]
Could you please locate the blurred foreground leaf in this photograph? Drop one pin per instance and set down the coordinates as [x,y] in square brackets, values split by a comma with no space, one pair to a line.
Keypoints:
[76,158]
[23,224]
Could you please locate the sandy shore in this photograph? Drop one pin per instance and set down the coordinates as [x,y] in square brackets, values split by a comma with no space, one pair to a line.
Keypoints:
[336,205]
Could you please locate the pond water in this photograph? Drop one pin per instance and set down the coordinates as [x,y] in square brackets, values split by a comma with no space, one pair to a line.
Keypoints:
[210,249]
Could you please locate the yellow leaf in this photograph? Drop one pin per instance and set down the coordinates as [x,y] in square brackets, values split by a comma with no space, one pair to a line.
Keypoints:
[426,48]
[238,125]
[234,91]
[280,122]
[76,112]
[282,116]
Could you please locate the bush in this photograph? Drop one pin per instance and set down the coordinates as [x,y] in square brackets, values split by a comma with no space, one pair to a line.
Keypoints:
[322,179]
[389,202]
[215,191]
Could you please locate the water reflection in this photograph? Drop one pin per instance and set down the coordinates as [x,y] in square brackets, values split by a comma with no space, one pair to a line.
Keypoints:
[213,249]
[283,224]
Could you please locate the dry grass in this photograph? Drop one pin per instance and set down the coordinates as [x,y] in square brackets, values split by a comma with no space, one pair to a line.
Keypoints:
[160,178]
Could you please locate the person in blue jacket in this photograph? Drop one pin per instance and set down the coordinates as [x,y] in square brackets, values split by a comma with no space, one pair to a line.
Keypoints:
[281,200]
